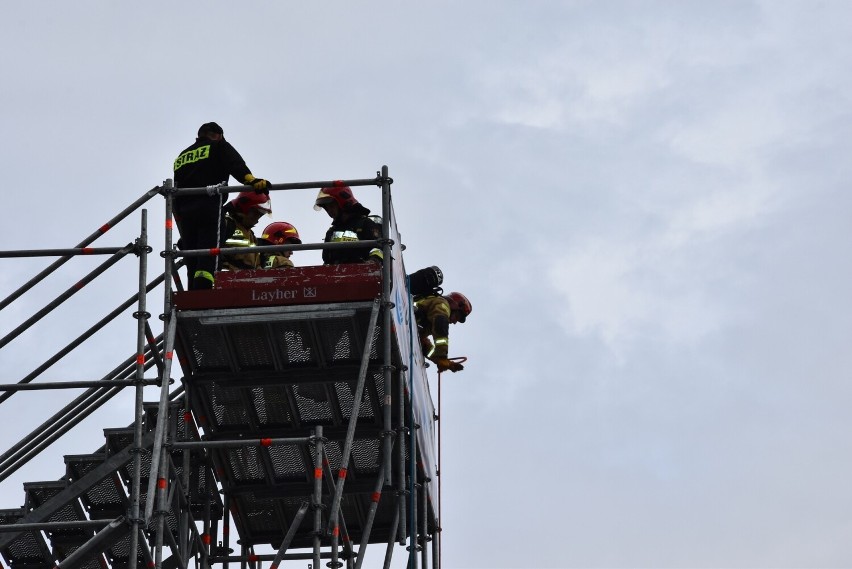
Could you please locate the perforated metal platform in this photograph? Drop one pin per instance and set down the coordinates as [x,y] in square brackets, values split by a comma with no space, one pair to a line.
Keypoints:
[274,372]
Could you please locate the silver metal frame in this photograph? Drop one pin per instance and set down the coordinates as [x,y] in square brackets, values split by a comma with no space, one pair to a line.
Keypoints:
[167,456]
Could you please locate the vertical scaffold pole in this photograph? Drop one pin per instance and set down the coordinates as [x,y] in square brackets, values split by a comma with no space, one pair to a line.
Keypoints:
[391,542]
[168,186]
[317,505]
[387,276]
[162,410]
[184,532]
[226,528]
[142,316]
[424,521]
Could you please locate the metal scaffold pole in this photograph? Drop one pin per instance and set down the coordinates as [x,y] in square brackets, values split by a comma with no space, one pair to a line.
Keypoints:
[59,262]
[268,364]
[317,499]
[142,316]
[67,294]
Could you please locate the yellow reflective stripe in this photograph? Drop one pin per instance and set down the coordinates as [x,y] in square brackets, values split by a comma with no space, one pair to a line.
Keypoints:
[190,156]
[442,341]
[204,275]
[377,253]
[344,236]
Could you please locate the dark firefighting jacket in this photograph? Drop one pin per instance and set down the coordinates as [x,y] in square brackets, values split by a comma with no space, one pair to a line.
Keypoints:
[357,228]
[206,163]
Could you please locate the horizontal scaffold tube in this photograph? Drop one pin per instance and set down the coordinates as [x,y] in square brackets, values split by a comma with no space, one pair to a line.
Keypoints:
[61,252]
[88,334]
[67,294]
[243,442]
[54,525]
[227,251]
[270,557]
[100,231]
[223,189]
[73,384]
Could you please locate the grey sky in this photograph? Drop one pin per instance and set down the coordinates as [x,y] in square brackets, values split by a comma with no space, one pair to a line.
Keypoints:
[646,202]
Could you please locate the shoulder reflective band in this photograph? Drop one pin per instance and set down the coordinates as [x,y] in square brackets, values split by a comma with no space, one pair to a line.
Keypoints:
[194,155]
[337,236]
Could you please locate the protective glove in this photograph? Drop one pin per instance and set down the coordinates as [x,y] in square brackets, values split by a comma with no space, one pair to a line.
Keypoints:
[260,185]
[444,364]
[439,353]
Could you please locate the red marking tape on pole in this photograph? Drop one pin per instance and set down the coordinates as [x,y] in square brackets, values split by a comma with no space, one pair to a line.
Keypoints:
[104,228]
[376,496]
[317,472]
[205,538]
[79,285]
[169,224]
[151,564]
[187,417]
[168,355]
[341,474]
[253,557]
[226,530]
[273,566]
[140,359]
[215,251]
[336,531]
[87,250]
[265,442]
[161,483]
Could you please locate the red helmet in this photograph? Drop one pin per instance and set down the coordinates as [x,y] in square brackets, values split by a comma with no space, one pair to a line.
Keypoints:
[247,201]
[459,302]
[281,232]
[340,194]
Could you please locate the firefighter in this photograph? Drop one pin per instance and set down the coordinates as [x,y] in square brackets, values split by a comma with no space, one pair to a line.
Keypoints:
[278,233]
[433,315]
[209,161]
[350,222]
[241,215]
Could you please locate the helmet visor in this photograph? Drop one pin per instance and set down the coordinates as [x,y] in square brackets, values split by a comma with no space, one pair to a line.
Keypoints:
[323,199]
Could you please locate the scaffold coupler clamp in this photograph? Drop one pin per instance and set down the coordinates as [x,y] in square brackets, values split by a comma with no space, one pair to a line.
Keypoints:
[141,314]
[313,440]
[168,187]
[138,248]
[381,180]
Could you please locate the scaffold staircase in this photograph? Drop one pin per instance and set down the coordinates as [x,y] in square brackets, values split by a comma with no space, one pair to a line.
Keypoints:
[302,427]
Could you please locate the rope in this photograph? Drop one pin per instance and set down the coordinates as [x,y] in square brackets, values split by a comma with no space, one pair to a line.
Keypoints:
[218,221]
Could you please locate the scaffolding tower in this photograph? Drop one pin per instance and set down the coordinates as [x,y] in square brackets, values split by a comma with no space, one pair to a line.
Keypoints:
[303,418]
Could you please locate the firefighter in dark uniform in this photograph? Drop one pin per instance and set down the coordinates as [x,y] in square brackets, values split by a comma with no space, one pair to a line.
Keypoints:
[350,222]
[433,315]
[209,161]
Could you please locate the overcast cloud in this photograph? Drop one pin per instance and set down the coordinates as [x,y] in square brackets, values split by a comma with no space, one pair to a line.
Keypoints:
[647,203]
